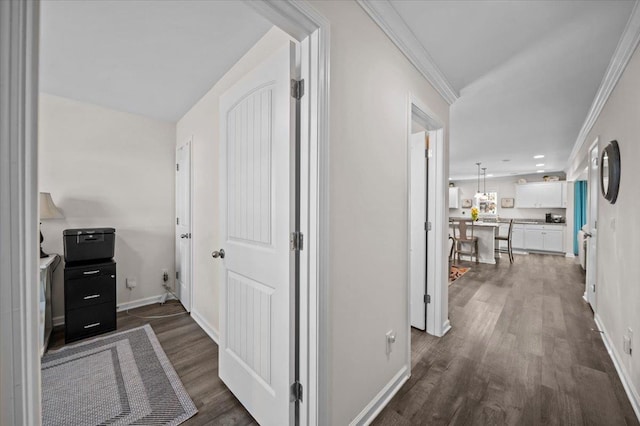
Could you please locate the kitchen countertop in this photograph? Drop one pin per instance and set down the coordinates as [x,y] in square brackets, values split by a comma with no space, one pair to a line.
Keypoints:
[504,220]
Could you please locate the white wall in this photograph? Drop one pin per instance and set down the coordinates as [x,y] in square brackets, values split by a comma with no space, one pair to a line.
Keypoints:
[370,85]
[106,168]
[617,286]
[201,124]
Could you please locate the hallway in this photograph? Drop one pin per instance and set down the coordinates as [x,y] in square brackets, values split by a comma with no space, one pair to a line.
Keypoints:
[522,351]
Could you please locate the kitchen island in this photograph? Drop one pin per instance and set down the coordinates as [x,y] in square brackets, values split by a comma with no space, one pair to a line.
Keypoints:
[486,233]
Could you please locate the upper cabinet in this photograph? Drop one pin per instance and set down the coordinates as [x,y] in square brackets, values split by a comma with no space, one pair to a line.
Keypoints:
[454,197]
[541,195]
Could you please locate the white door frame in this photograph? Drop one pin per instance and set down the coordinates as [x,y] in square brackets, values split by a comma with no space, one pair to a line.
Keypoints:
[302,22]
[593,191]
[189,301]
[19,28]
[438,323]
[19,259]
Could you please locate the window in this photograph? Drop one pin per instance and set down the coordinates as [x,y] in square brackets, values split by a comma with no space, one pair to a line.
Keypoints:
[487,203]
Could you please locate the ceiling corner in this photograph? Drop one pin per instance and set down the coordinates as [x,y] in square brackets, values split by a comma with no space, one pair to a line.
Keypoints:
[623,53]
[387,18]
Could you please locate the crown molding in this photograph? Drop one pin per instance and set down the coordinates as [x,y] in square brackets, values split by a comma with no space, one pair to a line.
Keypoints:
[385,15]
[623,53]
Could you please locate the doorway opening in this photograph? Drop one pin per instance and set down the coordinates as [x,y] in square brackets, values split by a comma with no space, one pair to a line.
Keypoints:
[427,230]
[311,31]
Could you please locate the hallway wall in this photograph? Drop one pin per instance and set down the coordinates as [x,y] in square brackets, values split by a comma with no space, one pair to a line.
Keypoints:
[371,81]
[618,288]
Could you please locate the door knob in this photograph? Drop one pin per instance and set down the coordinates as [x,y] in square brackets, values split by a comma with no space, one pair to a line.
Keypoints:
[185,235]
[218,254]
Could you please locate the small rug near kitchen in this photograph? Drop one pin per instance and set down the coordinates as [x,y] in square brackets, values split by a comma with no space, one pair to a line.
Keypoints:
[456,272]
[120,379]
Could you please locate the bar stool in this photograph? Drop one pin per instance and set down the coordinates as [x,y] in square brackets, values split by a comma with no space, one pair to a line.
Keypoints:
[506,238]
[462,239]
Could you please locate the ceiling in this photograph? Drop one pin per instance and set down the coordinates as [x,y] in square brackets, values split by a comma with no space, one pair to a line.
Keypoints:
[527,73]
[156,59]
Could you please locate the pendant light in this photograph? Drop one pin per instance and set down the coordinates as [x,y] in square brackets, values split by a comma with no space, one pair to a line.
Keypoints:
[478,164]
[484,174]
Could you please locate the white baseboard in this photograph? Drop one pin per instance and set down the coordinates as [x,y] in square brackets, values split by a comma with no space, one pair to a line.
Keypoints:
[204,324]
[445,327]
[569,255]
[632,393]
[381,400]
[124,306]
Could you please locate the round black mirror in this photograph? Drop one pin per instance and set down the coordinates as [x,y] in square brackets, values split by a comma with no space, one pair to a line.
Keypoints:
[610,172]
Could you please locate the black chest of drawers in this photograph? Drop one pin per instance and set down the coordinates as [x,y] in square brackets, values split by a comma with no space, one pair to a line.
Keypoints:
[89,299]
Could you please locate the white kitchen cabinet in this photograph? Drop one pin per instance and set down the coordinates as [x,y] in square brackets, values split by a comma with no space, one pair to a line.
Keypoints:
[541,195]
[517,238]
[534,239]
[544,237]
[454,197]
[553,240]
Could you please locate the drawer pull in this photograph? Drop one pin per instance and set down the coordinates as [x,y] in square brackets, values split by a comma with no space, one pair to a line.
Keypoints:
[95,324]
[91,272]
[93,296]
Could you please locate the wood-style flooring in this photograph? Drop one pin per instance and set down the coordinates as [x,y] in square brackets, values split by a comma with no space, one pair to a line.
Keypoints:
[195,358]
[522,351]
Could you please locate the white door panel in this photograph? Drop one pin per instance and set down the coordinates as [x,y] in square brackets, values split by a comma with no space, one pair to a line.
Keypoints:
[183,224]
[256,311]
[418,253]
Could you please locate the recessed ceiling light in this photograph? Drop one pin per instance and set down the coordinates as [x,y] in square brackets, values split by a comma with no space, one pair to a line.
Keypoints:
[539,171]
[538,156]
[540,165]
[490,175]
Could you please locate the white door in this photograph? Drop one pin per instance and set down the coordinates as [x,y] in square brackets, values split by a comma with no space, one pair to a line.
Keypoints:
[592,221]
[183,224]
[418,235]
[257,309]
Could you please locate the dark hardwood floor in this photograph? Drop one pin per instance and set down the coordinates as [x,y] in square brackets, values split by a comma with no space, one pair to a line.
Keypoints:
[195,358]
[522,351]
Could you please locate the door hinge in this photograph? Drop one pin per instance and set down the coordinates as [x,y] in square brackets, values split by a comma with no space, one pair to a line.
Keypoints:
[296,392]
[177,275]
[427,226]
[297,241]
[297,89]
[427,298]
[177,221]
[177,167]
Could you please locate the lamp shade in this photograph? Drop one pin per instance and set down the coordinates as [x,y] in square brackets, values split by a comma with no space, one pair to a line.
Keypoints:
[48,209]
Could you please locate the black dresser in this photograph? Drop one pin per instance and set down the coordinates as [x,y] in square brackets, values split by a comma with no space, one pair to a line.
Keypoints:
[89,284]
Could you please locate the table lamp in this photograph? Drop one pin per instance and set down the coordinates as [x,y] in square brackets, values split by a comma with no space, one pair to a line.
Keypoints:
[48,210]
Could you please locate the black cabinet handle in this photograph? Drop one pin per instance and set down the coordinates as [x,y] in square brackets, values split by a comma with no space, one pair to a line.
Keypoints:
[91,272]
[95,324]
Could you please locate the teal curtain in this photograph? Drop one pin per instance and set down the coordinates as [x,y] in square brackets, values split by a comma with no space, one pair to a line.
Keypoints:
[579,211]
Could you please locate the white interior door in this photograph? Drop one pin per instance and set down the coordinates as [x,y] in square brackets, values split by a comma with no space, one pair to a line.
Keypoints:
[183,224]
[256,311]
[418,235]
[592,220]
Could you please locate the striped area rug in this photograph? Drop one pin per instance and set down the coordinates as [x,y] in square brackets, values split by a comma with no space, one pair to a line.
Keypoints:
[119,379]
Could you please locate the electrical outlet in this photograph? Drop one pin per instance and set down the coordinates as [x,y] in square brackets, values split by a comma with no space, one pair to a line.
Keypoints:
[627,341]
[391,339]
[165,275]
[131,283]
